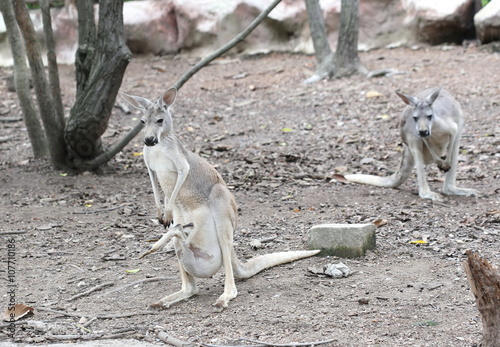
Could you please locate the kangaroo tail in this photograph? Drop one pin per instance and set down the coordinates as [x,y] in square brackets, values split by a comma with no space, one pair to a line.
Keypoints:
[395,180]
[262,262]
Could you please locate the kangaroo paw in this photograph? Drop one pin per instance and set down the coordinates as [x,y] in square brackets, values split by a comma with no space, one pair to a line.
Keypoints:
[157,306]
[462,191]
[432,196]
[219,306]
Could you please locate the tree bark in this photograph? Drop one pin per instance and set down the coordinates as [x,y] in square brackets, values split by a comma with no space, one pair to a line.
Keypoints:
[484,281]
[86,44]
[345,61]
[21,80]
[98,86]
[55,87]
[52,124]
[317,27]
[322,49]
[346,56]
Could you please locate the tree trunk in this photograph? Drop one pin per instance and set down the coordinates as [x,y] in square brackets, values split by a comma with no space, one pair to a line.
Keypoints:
[99,86]
[484,281]
[21,80]
[54,129]
[345,61]
[86,44]
[317,28]
[322,49]
[346,56]
[55,87]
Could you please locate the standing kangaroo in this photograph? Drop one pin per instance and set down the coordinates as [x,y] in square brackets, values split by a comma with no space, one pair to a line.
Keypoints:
[195,193]
[431,128]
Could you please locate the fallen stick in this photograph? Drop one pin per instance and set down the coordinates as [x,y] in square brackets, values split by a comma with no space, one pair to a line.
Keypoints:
[13,232]
[6,325]
[153,279]
[293,344]
[97,315]
[103,209]
[88,337]
[169,339]
[91,290]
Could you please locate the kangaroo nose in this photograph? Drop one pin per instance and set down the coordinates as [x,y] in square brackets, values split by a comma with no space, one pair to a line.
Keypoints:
[150,141]
[424,133]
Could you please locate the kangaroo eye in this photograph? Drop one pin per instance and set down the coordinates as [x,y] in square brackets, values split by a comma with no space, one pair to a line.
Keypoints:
[429,116]
[142,121]
[159,121]
[415,119]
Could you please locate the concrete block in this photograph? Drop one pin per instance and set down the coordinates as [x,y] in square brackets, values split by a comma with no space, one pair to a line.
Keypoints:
[342,240]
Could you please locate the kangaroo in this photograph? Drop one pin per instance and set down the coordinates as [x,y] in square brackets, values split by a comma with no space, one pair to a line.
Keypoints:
[195,193]
[431,127]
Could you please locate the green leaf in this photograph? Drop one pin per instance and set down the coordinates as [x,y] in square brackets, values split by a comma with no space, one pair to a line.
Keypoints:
[134,271]
[427,323]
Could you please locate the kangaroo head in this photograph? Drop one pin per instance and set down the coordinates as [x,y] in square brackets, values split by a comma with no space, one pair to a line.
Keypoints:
[423,113]
[156,116]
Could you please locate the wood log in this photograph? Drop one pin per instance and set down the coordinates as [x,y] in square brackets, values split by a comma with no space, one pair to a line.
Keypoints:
[484,281]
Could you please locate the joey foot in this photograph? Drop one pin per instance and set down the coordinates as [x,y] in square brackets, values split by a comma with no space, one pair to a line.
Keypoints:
[165,217]
[444,166]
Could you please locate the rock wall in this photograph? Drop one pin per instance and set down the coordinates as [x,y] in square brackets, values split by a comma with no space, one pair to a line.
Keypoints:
[197,27]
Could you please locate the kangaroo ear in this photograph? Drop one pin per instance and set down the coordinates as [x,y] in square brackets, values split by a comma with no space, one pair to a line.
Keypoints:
[136,101]
[407,99]
[168,98]
[431,98]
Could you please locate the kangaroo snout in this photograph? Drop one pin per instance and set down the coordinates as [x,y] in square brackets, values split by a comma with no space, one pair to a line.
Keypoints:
[150,141]
[424,133]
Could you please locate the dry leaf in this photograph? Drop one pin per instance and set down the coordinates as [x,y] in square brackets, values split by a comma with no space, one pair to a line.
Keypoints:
[373,94]
[16,312]
[339,178]
[418,242]
[380,222]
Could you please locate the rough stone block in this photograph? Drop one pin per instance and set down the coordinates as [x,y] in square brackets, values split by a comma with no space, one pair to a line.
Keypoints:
[342,240]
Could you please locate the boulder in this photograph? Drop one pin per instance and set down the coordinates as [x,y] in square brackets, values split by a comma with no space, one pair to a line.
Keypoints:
[151,27]
[200,27]
[487,22]
[437,22]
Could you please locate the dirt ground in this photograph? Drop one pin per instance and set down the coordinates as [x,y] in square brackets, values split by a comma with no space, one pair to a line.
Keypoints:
[277,143]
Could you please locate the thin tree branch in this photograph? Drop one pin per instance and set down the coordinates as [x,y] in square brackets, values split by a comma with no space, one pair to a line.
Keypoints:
[288,344]
[170,340]
[97,315]
[89,337]
[146,280]
[239,38]
[91,290]
[13,232]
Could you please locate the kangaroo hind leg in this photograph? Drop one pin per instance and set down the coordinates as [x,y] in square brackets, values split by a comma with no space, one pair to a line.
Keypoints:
[450,187]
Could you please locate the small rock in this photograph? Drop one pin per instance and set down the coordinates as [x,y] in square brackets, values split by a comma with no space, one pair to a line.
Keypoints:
[337,270]
[256,244]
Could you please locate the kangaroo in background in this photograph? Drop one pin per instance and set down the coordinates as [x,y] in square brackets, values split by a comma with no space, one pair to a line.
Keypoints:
[431,127]
[195,193]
